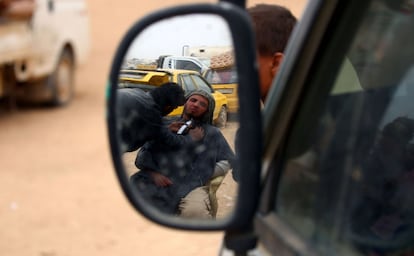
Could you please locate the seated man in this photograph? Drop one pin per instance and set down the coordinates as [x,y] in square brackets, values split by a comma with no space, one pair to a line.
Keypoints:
[174,178]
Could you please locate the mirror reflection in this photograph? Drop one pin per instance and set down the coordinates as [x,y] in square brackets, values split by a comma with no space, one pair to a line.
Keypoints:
[177,116]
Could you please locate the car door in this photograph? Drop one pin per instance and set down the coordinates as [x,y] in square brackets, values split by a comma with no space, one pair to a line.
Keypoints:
[339,124]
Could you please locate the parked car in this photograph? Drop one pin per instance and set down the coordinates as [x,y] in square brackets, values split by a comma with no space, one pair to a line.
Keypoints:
[326,168]
[183,62]
[189,80]
[225,81]
[40,53]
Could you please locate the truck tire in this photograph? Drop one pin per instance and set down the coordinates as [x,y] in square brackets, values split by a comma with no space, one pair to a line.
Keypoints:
[61,81]
[222,117]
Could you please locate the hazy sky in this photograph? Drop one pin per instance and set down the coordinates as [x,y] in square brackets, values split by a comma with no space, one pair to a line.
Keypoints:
[172,35]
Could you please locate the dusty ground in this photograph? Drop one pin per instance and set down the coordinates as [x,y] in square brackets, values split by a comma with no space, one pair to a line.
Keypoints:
[58,191]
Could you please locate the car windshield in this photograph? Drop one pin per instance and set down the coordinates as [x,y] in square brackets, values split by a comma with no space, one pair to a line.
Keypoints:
[350,190]
[221,76]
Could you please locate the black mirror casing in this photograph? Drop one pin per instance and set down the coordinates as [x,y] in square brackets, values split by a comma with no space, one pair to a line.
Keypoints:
[249,134]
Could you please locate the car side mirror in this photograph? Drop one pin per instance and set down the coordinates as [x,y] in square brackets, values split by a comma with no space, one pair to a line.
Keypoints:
[135,75]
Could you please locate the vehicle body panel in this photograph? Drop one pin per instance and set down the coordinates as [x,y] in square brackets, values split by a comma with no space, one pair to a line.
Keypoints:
[53,26]
[60,24]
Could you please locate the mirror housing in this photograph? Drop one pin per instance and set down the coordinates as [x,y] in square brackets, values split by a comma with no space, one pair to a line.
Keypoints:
[248,144]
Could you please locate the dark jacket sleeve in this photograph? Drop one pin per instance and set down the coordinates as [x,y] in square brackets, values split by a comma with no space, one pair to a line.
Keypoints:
[224,151]
[139,119]
[166,144]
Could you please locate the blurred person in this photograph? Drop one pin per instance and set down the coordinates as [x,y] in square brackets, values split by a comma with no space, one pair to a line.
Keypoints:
[140,113]
[273,25]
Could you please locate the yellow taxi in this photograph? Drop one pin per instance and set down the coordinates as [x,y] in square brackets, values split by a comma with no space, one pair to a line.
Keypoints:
[225,81]
[146,79]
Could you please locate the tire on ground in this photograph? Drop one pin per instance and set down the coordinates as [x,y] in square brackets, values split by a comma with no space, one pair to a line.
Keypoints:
[222,117]
[61,81]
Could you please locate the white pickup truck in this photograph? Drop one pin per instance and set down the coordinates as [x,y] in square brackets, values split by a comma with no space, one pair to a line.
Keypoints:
[39,55]
[198,64]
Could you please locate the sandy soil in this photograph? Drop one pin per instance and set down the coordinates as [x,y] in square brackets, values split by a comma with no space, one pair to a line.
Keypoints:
[58,192]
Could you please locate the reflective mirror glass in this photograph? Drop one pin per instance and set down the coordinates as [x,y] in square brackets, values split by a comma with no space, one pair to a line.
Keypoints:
[177,110]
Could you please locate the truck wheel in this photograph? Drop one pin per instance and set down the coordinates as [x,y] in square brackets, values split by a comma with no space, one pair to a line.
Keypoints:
[61,82]
[222,117]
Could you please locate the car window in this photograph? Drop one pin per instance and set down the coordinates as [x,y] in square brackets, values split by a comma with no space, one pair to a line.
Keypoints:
[223,76]
[350,190]
[201,84]
[186,82]
[187,65]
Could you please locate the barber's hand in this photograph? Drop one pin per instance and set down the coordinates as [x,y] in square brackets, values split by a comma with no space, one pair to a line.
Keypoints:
[160,180]
[175,126]
[196,133]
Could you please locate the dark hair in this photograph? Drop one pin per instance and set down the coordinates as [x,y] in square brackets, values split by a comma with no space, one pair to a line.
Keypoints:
[168,94]
[273,25]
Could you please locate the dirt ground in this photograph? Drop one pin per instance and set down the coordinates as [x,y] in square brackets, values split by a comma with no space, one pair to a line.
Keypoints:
[58,192]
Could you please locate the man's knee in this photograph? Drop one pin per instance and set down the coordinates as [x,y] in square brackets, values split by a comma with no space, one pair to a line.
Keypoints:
[196,204]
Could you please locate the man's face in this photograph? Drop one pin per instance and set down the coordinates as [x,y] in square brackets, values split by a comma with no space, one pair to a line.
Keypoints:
[196,106]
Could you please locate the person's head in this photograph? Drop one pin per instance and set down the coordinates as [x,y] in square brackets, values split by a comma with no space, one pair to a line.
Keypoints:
[273,25]
[168,97]
[199,105]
